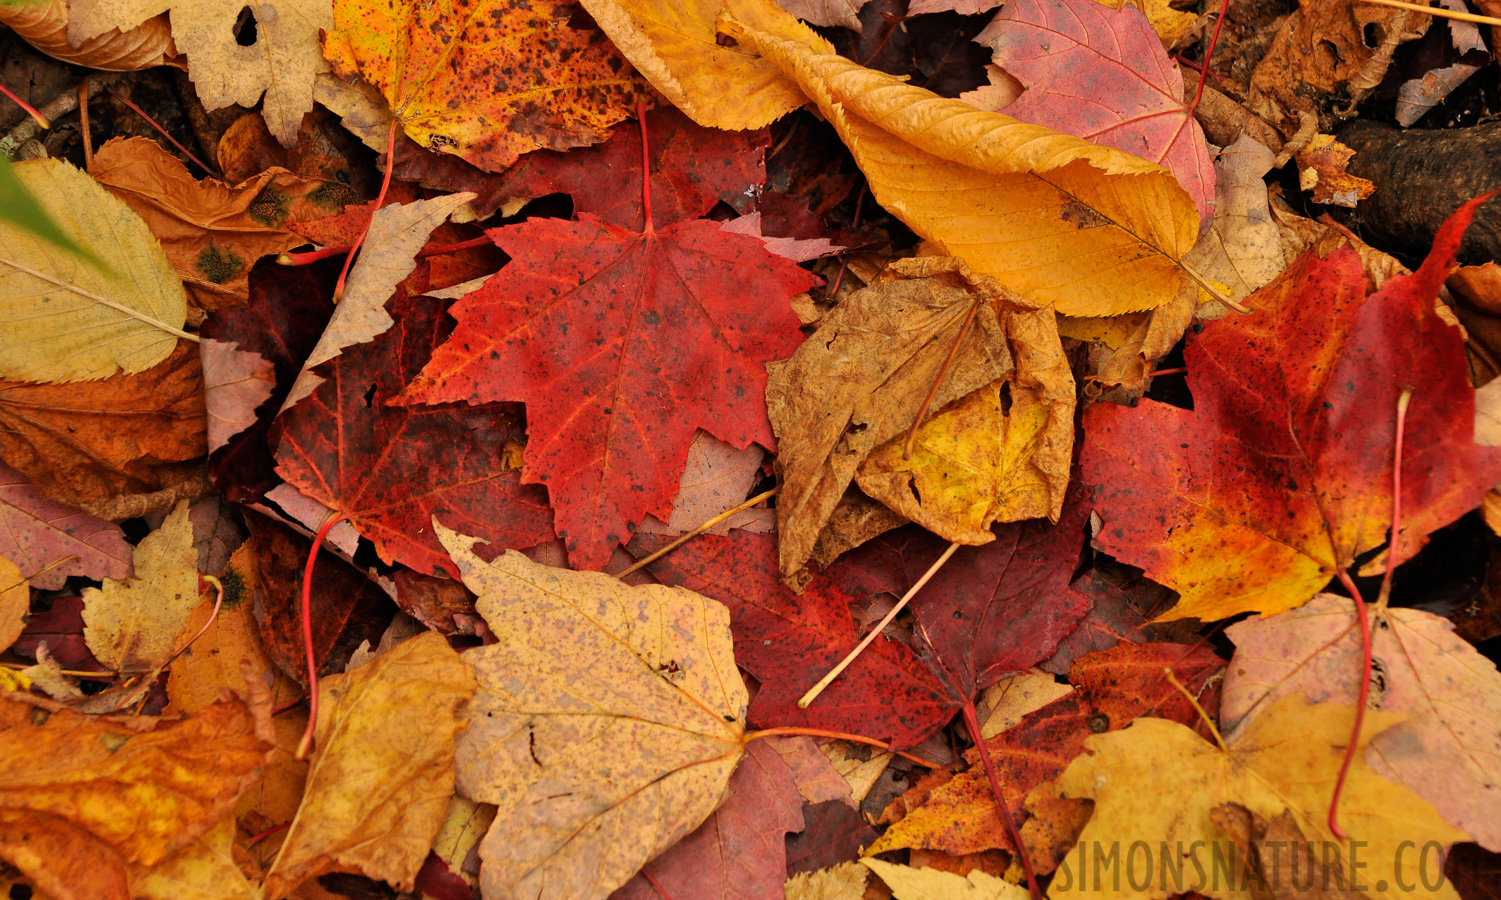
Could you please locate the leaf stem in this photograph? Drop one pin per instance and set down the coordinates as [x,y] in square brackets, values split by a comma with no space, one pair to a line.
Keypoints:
[380,198]
[163,132]
[1438,11]
[839,735]
[646,228]
[972,722]
[1172,678]
[307,629]
[645,561]
[1214,38]
[27,107]
[311,256]
[828,679]
[1395,544]
[1362,694]
[922,411]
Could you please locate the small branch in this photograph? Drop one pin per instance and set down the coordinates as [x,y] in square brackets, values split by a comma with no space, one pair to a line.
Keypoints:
[645,561]
[901,604]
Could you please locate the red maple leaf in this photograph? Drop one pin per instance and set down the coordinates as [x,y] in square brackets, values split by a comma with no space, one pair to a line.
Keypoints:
[621,344]
[390,469]
[1281,475]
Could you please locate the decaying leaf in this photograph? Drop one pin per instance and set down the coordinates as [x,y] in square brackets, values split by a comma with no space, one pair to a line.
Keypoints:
[44,25]
[485,79]
[1449,694]
[67,319]
[1286,760]
[235,383]
[98,794]
[133,626]
[1321,172]
[36,533]
[845,881]
[716,478]
[607,723]
[384,768]
[1242,249]
[281,62]
[212,232]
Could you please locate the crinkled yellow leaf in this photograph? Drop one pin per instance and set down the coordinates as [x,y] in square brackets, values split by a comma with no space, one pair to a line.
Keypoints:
[133,626]
[1112,331]
[98,794]
[674,44]
[1170,24]
[281,63]
[907,883]
[607,723]
[15,602]
[1159,782]
[487,80]
[203,870]
[384,768]
[65,319]
[1000,454]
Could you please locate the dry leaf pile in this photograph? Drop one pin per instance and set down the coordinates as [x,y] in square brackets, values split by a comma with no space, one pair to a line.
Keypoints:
[472,429]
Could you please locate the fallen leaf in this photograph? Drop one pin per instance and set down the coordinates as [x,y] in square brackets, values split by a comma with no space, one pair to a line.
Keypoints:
[1169,23]
[1287,760]
[388,256]
[578,326]
[1001,91]
[1121,609]
[785,247]
[858,764]
[483,79]
[1242,249]
[15,602]
[607,724]
[35,533]
[845,881]
[1253,500]
[347,607]
[1445,690]
[395,718]
[1003,704]
[100,793]
[962,7]
[235,384]
[860,382]
[789,641]
[835,831]
[390,469]
[281,62]
[675,47]
[57,632]
[716,478]
[68,319]
[739,853]
[1111,688]
[1016,201]
[212,232]
[293,507]
[203,870]
[1321,173]
[45,27]
[96,441]
[1261,844]
[907,883]
[133,626]
[843,13]
[1101,74]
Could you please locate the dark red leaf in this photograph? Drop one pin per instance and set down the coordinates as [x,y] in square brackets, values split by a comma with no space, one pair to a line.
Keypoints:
[835,833]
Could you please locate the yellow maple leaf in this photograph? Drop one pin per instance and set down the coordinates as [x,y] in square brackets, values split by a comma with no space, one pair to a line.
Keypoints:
[607,724]
[380,783]
[1156,785]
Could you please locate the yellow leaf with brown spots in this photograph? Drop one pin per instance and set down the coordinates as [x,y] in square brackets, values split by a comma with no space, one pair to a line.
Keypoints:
[487,80]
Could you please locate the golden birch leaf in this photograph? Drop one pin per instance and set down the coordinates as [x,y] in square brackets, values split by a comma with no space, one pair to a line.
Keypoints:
[282,62]
[608,721]
[908,883]
[1159,782]
[1085,229]
[383,773]
[65,319]
[675,46]
[203,870]
[133,626]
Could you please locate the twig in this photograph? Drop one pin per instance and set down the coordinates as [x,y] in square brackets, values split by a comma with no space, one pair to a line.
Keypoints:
[645,561]
[828,679]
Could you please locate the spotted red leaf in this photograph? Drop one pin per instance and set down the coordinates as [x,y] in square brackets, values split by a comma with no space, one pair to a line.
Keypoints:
[621,344]
[390,469]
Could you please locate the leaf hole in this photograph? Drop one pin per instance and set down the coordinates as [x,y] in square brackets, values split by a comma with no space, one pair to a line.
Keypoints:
[370,396]
[246,32]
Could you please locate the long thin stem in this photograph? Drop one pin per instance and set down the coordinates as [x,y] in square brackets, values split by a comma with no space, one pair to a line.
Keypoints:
[1438,11]
[307,631]
[972,722]
[1209,55]
[646,227]
[1396,542]
[27,107]
[839,735]
[163,132]
[656,886]
[922,411]
[83,123]
[1362,695]
[645,561]
[380,198]
[828,679]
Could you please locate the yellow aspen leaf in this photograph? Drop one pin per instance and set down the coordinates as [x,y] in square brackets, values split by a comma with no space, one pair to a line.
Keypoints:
[383,773]
[98,794]
[1085,229]
[133,625]
[908,883]
[15,602]
[608,721]
[203,870]
[64,318]
[1159,783]
[487,80]
[675,46]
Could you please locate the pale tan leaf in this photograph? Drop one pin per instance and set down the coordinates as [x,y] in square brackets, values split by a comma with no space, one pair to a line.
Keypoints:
[907,883]
[133,626]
